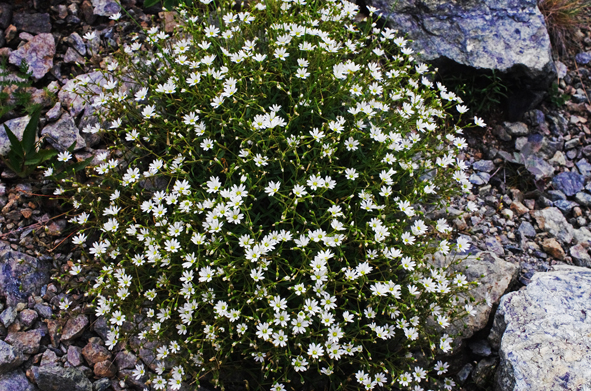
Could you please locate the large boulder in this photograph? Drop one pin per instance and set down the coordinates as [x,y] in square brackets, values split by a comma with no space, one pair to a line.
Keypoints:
[497,35]
[544,333]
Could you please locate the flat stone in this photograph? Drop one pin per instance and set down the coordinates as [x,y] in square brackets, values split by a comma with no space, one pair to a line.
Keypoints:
[20,275]
[72,56]
[32,23]
[527,229]
[56,378]
[10,357]
[125,359]
[584,168]
[483,165]
[75,355]
[493,244]
[518,208]
[105,369]
[580,255]
[480,34]
[37,53]
[105,7]
[28,317]
[8,316]
[15,381]
[583,198]
[479,178]
[565,206]
[16,126]
[516,129]
[494,277]
[44,310]
[545,332]
[583,58]
[481,348]
[484,371]
[74,327]
[27,342]
[551,220]
[569,183]
[552,247]
[94,353]
[63,133]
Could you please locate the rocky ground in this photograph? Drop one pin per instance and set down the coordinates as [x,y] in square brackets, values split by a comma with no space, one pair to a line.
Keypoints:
[531,182]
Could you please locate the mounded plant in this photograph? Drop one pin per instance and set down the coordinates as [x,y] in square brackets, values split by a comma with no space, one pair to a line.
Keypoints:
[263,205]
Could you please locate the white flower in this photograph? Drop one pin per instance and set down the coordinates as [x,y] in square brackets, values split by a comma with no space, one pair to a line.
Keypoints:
[479,122]
[64,156]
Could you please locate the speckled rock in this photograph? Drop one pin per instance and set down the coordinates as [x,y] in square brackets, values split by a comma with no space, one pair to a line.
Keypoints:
[105,7]
[94,353]
[63,133]
[580,255]
[56,378]
[74,327]
[38,54]
[546,333]
[552,221]
[16,126]
[27,342]
[10,357]
[20,275]
[497,34]
[569,183]
[16,381]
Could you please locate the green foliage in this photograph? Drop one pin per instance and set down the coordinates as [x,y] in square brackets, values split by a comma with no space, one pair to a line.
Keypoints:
[24,155]
[168,4]
[265,206]
[15,88]
[482,92]
[556,98]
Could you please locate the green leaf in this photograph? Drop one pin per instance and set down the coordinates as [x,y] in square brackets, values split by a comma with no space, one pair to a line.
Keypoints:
[30,133]
[15,143]
[168,4]
[150,3]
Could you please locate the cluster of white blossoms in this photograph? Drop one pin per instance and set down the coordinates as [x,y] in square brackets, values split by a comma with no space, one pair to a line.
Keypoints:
[271,208]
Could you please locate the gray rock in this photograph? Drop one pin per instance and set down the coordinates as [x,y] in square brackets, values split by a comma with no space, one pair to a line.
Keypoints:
[20,275]
[483,165]
[480,348]
[495,34]
[582,235]
[561,69]
[125,360]
[101,384]
[32,23]
[583,58]
[565,206]
[75,355]
[5,15]
[479,178]
[55,112]
[569,183]
[580,255]
[44,310]
[484,371]
[63,133]
[546,333]
[105,7]
[10,357]
[27,317]
[552,221]
[37,53]
[572,143]
[584,168]
[77,43]
[583,198]
[556,195]
[74,327]
[101,327]
[527,229]
[516,129]
[72,56]
[71,100]
[8,316]
[15,381]
[27,342]
[16,126]
[463,374]
[56,378]
[558,159]
[520,143]
[494,277]
[493,244]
